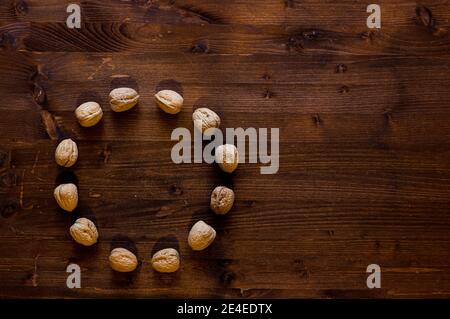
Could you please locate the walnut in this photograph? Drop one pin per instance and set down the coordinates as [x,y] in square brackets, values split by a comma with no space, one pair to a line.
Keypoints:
[166,260]
[66,153]
[88,114]
[169,101]
[205,119]
[84,232]
[201,236]
[123,99]
[222,199]
[122,260]
[66,196]
[227,157]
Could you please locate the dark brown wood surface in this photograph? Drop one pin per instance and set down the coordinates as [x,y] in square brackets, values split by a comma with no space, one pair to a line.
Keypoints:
[364,120]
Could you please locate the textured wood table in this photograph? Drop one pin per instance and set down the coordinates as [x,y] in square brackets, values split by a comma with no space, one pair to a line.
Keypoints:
[364,120]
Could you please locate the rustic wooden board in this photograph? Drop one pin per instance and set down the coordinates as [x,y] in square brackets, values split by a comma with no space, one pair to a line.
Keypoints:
[364,124]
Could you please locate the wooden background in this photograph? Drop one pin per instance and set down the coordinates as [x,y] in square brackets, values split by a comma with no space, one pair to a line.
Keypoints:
[365,146]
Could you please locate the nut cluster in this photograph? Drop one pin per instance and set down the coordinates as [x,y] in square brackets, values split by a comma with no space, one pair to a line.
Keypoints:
[201,235]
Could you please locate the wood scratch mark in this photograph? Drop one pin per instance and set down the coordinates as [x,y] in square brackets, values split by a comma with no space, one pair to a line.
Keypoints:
[414,270]
[104,62]
[21,190]
[119,76]
[10,159]
[193,12]
[106,153]
[243,291]
[94,195]
[36,158]
[250,10]
[50,125]
[185,56]
[15,230]
[34,278]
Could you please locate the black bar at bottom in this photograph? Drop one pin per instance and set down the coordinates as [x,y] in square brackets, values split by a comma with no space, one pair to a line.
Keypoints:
[223,308]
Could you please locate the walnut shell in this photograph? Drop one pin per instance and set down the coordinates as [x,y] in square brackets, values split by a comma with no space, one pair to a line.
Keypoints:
[123,99]
[204,119]
[66,153]
[201,235]
[222,199]
[122,260]
[88,114]
[66,196]
[166,260]
[169,101]
[84,232]
[227,157]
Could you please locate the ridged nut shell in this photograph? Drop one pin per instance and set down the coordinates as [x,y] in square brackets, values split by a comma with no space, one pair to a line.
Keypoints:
[201,236]
[122,260]
[166,260]
[169,101]
[227,157]
[205,118]
[88,114]
[123,99]
[222,199]
[66,196]
[66,153]
[84,232]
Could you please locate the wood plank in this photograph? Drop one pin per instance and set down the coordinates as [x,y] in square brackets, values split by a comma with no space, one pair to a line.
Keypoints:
[379,131]
[222,39]
[277,27]
[230,273]
[345,14]
[98,68]
[308,86]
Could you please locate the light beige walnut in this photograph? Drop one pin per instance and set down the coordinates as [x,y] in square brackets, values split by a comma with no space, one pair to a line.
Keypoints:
[222,199]
[66,196]
[166,260]
[122,260]
[227,157]
[84,232]
[123,99]
[201,236]
[204,119]
[169,101]
[88,114]
[66,153]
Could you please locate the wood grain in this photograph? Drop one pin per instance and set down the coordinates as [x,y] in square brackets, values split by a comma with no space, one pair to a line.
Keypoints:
[364,147]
